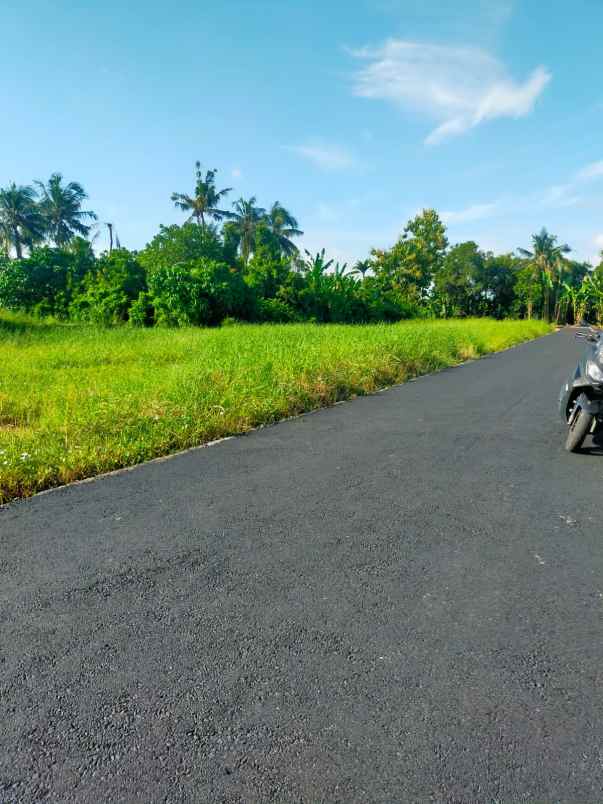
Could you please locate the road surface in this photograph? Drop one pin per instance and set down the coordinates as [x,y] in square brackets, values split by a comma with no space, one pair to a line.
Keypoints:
[398,599]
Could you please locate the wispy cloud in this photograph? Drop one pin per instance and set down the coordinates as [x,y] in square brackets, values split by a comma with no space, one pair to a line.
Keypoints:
[561,195]
[475,212]
[236,173]
[568,194]
[598,241]
[592,171]
[326,156]
[458,87]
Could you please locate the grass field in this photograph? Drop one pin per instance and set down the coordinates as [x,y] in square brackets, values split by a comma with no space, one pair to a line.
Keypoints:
[76,401]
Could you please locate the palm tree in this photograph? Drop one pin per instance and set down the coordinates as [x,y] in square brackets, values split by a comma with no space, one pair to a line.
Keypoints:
[204,202]
[283,226]
[61,209]
[546,257]
[20,219]
[245,220]
[4,241]
[362,267]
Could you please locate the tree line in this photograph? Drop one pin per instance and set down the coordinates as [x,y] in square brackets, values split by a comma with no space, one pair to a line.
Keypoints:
[242,262]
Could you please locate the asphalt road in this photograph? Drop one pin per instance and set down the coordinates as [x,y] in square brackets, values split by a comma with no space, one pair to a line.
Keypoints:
[398,599]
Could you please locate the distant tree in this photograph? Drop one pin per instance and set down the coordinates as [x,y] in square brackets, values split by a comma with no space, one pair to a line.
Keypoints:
[245,221]
[21,222]
[315,268]
[546,259]
[457,281]
[361,267]
[496,280]
[61,208]
[174,244]
[410,266]
[205,199]
[283,227]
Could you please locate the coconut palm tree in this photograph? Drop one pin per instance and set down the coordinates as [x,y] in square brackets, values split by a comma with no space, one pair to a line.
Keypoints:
[204,202]
[61,208]
[20,219]
[4,241]
[361,267]
[546,258]
[283,226]
[245,220]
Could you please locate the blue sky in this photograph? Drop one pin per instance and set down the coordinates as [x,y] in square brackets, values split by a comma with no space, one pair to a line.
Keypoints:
[353,113]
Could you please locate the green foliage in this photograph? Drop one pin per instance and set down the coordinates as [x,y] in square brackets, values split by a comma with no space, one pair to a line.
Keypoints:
[246,219]
[245,264]
[108,292]
[457,282]
[275,311]
[410,265]
[21,222]
[45,282]
[175,244]
[61,209]
[205,199]
[199,292]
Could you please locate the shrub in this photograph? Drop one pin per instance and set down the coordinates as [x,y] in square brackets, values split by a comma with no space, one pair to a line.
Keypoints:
[43,283]
[108,293]
[201,292]
[276,311]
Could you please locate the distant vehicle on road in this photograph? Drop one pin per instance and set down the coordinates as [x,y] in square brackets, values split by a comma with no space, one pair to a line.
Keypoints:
[581,398]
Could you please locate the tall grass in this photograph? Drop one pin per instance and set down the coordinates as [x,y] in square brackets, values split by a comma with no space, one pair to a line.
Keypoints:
[76,401]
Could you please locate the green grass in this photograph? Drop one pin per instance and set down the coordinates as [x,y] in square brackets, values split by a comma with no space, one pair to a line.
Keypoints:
[76,401]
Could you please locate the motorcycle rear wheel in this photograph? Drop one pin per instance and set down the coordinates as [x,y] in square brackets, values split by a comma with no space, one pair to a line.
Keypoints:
[580,425]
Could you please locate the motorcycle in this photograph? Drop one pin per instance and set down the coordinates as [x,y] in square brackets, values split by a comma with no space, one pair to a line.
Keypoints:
[581,398]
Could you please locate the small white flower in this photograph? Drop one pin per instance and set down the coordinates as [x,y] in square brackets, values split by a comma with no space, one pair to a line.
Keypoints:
[24,456]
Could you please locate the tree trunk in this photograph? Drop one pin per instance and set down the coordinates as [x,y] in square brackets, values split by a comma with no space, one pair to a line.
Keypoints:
[17,242]
[546,306]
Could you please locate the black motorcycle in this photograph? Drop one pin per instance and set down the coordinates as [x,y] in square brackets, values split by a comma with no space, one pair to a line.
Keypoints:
[581,398]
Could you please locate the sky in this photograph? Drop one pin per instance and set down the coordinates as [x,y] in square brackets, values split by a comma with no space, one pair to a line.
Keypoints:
[355,114]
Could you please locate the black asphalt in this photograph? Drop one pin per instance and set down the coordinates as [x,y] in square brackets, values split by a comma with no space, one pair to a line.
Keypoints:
[398,599]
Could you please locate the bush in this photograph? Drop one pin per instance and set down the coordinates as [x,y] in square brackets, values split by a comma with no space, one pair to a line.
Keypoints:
[275,311]
[141,312]
[108,294]
[201,292]
[43,283]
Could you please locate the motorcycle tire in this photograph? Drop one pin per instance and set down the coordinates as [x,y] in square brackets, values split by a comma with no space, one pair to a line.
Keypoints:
[580,425]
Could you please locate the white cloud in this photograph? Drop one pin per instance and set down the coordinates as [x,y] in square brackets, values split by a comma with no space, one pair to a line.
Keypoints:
[561,195]
[459,87]
[236,173]
[592,171]
[324,155]
[566,195]
[598,241]
[476,212]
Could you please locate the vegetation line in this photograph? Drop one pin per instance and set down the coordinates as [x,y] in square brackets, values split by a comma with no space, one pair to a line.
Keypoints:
[81,400]
[242,262]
